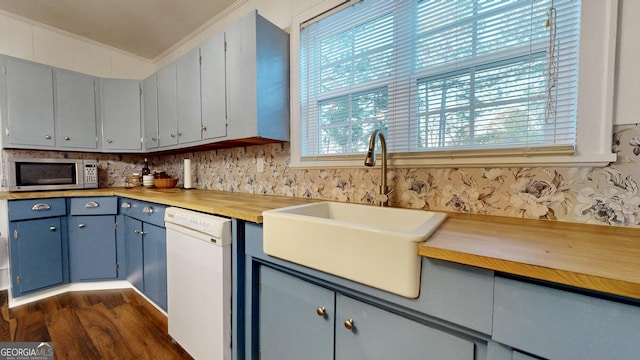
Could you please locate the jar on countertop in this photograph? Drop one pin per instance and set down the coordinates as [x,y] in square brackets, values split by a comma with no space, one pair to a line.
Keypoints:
[133,180]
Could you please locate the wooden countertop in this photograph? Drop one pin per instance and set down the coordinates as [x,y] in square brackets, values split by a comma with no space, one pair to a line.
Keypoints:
[594,257]
[242,206]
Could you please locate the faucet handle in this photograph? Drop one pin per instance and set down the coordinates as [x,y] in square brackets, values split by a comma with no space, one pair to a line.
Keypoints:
[383,197]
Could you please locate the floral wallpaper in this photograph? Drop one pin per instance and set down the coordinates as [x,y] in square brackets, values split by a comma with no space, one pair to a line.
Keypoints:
[607,195]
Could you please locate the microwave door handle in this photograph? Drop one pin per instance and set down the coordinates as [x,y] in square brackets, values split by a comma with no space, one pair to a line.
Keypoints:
[41,207]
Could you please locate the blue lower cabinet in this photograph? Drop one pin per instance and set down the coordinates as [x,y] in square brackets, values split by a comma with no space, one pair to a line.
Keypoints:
[145,248]
[155,264]
[92,248]
[133,252]
[301,320]
[555,323]
[364,332]
[38,251]
[296,318]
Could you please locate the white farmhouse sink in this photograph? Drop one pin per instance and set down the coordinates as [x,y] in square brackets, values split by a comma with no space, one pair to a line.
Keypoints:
[376,246]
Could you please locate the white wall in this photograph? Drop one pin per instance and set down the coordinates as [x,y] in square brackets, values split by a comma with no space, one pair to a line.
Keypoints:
[27,40]
[30,41]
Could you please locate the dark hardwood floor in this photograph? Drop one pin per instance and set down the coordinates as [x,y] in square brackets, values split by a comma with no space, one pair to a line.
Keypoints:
[105,324]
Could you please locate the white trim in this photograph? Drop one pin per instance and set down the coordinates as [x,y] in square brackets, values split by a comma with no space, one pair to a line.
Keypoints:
[80,286]
[595,99]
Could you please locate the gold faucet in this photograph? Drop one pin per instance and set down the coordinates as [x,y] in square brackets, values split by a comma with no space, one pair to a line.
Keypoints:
[370,160]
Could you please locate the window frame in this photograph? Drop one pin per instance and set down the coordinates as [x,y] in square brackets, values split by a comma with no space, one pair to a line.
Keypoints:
[594,129]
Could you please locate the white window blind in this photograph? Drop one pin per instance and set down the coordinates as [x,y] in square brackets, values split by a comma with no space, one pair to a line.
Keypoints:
[441,77]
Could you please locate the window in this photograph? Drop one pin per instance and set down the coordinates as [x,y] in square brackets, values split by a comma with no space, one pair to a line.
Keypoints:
[452,82]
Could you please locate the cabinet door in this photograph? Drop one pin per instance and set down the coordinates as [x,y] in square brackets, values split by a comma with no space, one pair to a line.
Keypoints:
[133,251]
[155,264]
[29,104]
[36,254]
[295,318]
[167,106]
[75,111]
[120,106]
[150,109]
[374,333]
[213,76]
[92,247]
[188,95]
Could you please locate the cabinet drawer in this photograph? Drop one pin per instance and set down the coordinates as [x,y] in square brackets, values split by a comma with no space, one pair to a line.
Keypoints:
[103,205]
[560,324]
[143,211]
[36,208]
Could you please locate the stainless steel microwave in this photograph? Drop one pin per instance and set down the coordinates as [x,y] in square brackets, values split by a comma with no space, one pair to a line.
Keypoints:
[27,174]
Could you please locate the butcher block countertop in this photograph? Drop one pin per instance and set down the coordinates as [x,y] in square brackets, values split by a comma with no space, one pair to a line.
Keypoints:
[593,257]
[242,206]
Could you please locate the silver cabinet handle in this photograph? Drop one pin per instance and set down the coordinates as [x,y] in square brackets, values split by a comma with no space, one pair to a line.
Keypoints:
[91,204]
[67,138]
[348,324]
[139,232]
[81,226]
[125,205]
[40,207]
[48,137]
[179,134]
[173,135]
[203,128]
[53,228]
[154,139]
[109,141]
[147,210]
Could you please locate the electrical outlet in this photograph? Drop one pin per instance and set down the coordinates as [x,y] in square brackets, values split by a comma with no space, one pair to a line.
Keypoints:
[260,165]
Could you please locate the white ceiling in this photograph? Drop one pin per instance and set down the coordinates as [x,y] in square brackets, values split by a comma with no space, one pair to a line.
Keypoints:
[146,28]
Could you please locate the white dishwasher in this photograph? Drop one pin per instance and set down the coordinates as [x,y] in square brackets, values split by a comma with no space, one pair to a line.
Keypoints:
[199,282]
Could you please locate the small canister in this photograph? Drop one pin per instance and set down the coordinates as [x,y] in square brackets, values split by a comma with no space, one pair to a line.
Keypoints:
[133,180]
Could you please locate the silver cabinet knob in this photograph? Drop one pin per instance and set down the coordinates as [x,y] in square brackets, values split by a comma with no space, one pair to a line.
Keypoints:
[48,137]
[81,226]
[53,228]
[179,134]
[125,205]
[147,210]
[67,138]
[154,139]
[203,128]
[348,324]
[173,135]
[109,141]
[321,311]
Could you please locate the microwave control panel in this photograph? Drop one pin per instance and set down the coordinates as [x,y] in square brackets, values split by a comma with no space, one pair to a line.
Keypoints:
[90,174]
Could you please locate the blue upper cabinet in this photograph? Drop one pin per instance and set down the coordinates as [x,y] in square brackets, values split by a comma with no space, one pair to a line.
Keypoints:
[27,111]
[121,120]
[48,108]
[232,90]
[213,86]
[76,126]
[179,117]
[257,63]
[188,97]
[167,106]
[150,111]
